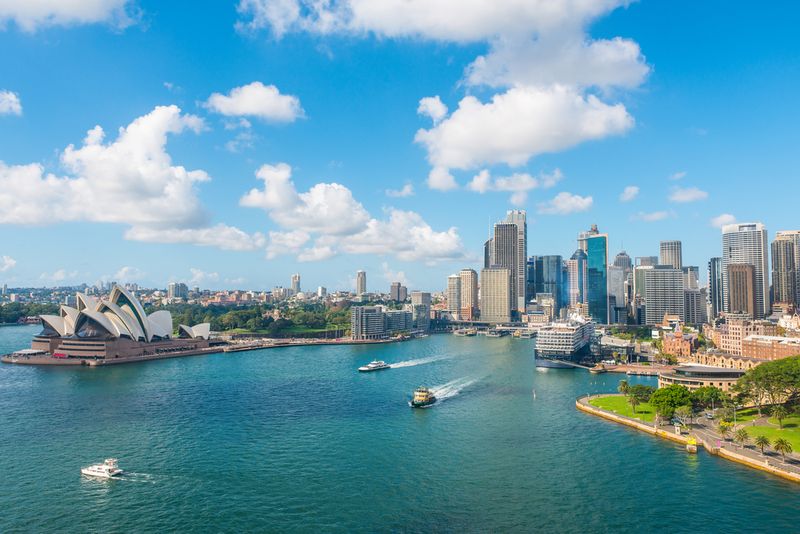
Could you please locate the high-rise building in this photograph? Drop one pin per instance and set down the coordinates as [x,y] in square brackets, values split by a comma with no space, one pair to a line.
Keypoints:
[691,276]
[694,307]
[296,283]
[576,277]
[495,301]
[177,290]
[595,245]
[488,253]
[469,294]
[398,292]
[670,253]
[794,237]
[623,260]
[361,282]
[646,261]
[616,294]
[742,289]
[453,296]
[421,310]
[663,293]
[519,218]
[530,276]
[715,302]
[747,243]
[550,279]
[322,292]
[367,322]
[784,269]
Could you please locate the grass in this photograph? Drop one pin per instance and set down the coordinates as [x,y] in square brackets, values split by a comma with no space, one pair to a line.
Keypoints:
[619,405]
[790,431]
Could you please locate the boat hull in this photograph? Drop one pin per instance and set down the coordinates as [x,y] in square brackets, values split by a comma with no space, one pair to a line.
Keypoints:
[551,364]
[422,404]
[366,370]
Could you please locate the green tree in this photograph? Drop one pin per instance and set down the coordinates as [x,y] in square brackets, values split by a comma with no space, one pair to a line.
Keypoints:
[707,396]
[779,412]
[724,429]
[782,446]
[641,392]
[762,442]
[666,400]
[623,387]
[634,402]
[741,437]
[684,414]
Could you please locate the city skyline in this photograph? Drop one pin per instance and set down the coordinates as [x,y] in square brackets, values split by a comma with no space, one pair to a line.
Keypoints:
[219,227]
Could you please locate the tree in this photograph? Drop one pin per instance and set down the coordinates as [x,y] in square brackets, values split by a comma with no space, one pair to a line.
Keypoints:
[634,402]
[741,437]
[623,387]
[762,442]
[724,429]
[779,412]
[707,396]
[684,414]
[666,400]
[782,446]
[641,392]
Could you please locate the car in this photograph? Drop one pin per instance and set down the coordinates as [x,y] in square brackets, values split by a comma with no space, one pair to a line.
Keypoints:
[709,415]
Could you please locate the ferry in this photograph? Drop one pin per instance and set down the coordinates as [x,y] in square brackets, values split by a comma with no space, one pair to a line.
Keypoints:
[495,333]
[465,332]
[374,365]
[598,369]
[423,397]
[562,342]
[108,469]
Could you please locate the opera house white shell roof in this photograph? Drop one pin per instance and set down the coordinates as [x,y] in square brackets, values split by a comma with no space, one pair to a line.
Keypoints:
[119,315]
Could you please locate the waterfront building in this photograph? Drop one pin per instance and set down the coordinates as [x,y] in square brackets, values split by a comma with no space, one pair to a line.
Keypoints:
[595,245]
[509,251]
[421,310]
[361,282]
[453,296]
[784,269]
[296,283]
[469,294]
[563,341]
[747,243]
[770,347]
[663,293]
[177,290]
[741,289]
[696,376]
[671,253]
[715,306]
[730,335]
[495,297]
[367,322]
[576,277]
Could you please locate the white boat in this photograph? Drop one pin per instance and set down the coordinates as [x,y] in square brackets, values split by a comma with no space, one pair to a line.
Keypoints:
[108,469]
[374,365]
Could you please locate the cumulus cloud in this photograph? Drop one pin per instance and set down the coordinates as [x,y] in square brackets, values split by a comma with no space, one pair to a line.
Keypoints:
[675,176]
[9,103]
[518,125]
[687,194]
[406,191]
[629,193]
[440,179]
[327,220]
[128,274]
[433,107]
[721,220]
[30,15]
[60,275]
[565,203]
[518,184]
[219,236]
[7,263]
[199,276]
[652,216]
[394,276]
[257,100]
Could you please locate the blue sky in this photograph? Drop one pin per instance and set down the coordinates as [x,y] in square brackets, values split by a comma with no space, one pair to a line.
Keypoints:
[693,103]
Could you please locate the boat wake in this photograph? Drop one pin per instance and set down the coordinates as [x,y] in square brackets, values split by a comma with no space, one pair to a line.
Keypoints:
[452,388]
[142,478]
[420,361]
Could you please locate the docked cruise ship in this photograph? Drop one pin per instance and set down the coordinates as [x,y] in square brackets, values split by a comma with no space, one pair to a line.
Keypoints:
[563,341]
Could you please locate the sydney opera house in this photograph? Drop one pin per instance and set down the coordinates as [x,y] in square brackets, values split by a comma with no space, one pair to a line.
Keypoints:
[114,329]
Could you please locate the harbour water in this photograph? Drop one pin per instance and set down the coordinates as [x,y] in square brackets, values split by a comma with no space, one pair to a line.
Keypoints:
[295,439]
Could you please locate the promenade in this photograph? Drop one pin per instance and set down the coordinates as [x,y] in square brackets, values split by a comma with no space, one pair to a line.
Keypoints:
[706,435]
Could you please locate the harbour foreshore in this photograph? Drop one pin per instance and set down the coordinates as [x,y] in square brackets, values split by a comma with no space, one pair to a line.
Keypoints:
[702,437]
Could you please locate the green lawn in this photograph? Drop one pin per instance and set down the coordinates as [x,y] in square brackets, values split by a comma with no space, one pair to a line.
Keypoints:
[790,431]
[619,404]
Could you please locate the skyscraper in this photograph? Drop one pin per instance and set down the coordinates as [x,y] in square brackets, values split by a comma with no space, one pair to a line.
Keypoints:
[421,310]
[394,291]
[794,237]
[549,279]
[623,260]
[616,293]
[576,277]
[296,283]
[361,282]
[496,295]
[505,251]
[488,253]
[453,296]
[670,253]
[663,293]
[691,276]
[646,261]
[519,218]
[530,276]
[469,294]
[715,302]
[747,243]
[741,289]
[595,245]
[784,269]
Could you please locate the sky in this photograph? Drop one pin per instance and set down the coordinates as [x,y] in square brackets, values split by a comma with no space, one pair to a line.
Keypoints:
[232,145]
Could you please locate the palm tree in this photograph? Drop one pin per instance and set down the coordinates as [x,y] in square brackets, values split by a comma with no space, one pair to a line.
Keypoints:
[633,401]
[762,441]
[779,412]
[623,387]
[782,446]
[724,429]
[741,437]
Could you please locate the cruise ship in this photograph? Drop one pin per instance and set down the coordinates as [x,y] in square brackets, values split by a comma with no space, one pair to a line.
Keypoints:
[567,341]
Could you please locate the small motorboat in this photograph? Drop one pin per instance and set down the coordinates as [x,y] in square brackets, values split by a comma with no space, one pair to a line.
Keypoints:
[598,369]
[108,469]
[423,397]
[374,365]
[691,446]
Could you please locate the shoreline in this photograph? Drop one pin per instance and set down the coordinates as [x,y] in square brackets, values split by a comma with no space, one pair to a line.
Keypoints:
[582,404]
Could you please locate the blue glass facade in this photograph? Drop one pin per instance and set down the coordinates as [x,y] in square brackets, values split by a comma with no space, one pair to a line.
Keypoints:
[597,277]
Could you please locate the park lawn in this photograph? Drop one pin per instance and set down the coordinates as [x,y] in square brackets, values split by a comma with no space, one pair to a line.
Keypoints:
[790,431]
[619,405]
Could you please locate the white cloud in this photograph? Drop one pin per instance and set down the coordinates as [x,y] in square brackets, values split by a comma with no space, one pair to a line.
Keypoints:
[9,103]
[651,216]
[687,194]
[242,141]
[629,193]
[518,125]
[200,277]
[286,243]
[60,275]
[406,191]
[30,15]
[677,175]
[128,274]
[316,254]
[565,203]
[220,236]
[433,107]
[518,184]
[721,220]
[440,179]
[257,100]
[395,276]
[7,263]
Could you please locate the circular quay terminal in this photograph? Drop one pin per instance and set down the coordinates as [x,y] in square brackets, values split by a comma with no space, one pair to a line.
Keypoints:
[399,266]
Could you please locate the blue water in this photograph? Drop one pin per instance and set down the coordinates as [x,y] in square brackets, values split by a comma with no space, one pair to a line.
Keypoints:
[294,439]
